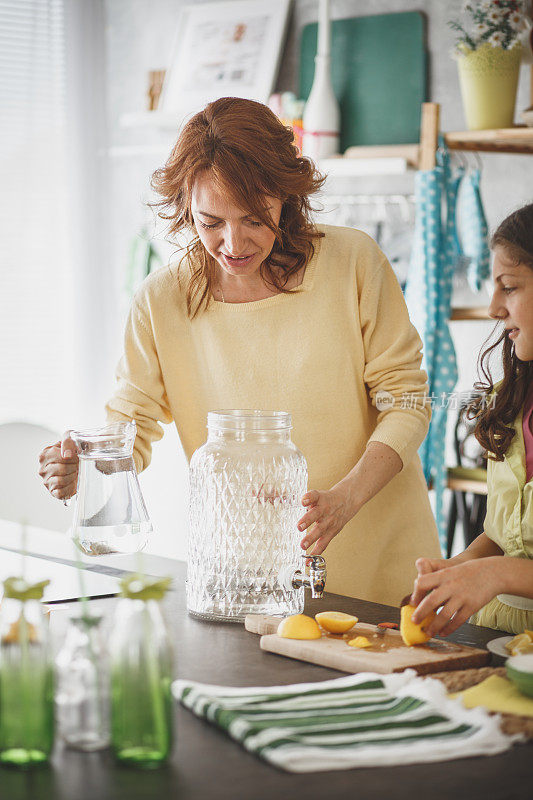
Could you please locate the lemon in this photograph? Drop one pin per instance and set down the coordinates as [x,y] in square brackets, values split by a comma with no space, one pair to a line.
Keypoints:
[413,633]
[335,621]
[16,632]
[520,644]
[521,649]
[299,626]
[521,640]
[360,641]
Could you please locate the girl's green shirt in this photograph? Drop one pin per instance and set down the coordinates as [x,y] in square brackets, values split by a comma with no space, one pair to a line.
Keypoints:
[509,523]
[509,520]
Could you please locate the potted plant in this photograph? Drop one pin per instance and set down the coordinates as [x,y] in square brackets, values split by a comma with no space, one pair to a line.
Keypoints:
[488,52]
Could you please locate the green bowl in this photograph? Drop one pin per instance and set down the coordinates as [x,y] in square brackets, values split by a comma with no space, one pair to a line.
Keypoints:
[520,671]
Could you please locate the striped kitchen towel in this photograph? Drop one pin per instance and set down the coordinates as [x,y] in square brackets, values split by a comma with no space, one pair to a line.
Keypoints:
[362,720]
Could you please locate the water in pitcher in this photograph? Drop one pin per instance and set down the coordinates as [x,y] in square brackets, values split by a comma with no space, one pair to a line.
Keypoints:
[110,515]
[100,540]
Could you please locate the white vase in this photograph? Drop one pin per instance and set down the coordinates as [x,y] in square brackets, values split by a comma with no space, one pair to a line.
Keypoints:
[321,119]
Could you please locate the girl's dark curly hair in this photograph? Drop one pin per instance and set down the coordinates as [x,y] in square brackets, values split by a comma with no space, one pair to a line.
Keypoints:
[250,155]
[496,411]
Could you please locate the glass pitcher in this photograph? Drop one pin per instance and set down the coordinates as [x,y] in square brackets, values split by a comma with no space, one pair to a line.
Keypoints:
[110,515]
[246,486]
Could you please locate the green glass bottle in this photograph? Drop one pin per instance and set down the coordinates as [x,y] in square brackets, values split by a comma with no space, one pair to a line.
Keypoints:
[26,677]
[141,674]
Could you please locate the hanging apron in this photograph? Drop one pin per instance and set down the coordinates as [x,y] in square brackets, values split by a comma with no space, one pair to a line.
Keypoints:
[428,296]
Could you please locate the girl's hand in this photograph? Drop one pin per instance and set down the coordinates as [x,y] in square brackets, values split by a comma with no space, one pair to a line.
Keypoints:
[328,513]
[424,566]
[59,468]
[459,591]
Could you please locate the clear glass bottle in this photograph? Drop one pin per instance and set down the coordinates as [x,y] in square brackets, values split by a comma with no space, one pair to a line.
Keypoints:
[246,486]
[110,515]
[26,677]
[141,674]
[83,685]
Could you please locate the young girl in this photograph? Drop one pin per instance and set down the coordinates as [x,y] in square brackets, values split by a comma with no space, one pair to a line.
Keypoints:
[493,578]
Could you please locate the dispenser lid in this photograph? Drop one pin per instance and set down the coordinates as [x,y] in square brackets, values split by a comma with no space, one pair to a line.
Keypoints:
[249,420]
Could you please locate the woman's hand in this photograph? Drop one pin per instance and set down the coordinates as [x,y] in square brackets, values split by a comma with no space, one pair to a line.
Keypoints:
[458,590]
[59,468]
[328,512]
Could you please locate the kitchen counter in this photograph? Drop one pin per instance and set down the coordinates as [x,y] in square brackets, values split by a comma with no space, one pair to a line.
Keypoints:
[207,764]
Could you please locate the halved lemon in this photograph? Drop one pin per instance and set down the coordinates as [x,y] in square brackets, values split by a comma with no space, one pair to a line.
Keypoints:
[413,633]
[516,641]
[521,649]
[335,621]
[299,626]
[360,641]
[520,644]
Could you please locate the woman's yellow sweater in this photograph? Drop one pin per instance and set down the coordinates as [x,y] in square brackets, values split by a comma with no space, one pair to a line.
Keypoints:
[321,352]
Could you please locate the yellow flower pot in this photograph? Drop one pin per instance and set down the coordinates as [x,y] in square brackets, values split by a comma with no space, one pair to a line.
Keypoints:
[489,79]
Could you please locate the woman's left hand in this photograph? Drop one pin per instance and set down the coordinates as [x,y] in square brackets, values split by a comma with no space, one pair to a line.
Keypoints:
[459,591]
[328,512]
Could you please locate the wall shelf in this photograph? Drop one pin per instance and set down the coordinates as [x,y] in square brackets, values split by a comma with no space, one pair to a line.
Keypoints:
[504,140]
[378,160]
[345,166]
[409,152]
[518,139]
[164,120]
[465,485]
[138,150]
[474,313]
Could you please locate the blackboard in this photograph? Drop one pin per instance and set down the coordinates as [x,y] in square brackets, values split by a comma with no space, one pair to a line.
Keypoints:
[379,69]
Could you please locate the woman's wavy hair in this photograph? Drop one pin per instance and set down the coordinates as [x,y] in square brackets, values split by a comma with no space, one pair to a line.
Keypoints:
[496,411]
[250,155]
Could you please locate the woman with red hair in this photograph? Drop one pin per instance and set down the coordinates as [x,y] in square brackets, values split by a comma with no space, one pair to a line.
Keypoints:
[266,310]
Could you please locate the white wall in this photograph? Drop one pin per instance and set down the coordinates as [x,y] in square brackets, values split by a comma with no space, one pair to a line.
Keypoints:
[139,35]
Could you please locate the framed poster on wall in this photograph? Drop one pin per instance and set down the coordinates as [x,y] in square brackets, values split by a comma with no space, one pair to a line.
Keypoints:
[230,48]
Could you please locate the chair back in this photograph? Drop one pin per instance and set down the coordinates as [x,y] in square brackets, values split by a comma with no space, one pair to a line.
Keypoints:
[23,495]
[468,451]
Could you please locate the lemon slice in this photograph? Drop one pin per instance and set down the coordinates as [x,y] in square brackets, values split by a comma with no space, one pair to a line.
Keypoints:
[335,621]
[360,641]
[520,644]
[517,643]
[299,626]
[523,648]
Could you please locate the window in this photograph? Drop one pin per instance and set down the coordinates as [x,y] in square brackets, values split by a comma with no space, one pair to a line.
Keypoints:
[55,303]
[35,349]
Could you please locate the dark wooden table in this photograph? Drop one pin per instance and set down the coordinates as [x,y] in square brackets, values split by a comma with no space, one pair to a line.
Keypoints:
[207,764]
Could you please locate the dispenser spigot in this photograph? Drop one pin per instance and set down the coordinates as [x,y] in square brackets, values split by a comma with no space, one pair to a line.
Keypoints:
[316,580]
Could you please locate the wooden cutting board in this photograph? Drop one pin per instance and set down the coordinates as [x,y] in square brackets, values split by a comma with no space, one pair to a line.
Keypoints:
[387,654]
